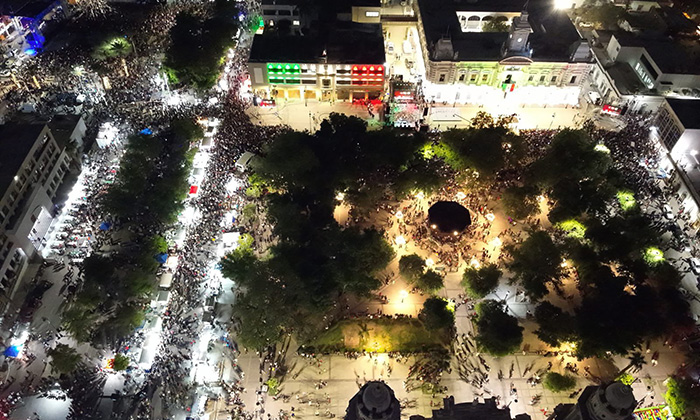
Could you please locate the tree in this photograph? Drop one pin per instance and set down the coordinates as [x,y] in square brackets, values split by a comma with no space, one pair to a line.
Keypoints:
[683,397]
[571,156]
[121,362]
[411,267]
[479,282]
[484,150]
[556,382]
[436,314]
[606,15]
[636,362]
[536,263]
[429,282]
[497,332]
[64,359]
[555,326]
[494,26]
[520,202]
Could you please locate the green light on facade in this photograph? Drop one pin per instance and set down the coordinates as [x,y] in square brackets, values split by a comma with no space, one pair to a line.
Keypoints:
[287,73]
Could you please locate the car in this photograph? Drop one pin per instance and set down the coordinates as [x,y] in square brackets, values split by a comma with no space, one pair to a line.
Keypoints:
[694,265]
[668,213]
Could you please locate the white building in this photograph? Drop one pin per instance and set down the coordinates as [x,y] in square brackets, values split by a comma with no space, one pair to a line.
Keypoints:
[636,71]
[32,167]
[677,129]
[538,59]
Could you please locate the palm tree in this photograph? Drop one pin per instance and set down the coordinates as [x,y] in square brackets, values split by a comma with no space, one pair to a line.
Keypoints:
[636,362]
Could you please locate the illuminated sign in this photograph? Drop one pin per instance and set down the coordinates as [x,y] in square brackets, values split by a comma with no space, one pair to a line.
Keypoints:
[367,75]
[612,110]
[284,73]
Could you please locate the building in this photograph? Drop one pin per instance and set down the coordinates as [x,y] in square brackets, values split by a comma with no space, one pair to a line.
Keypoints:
[650,59]
[677,131]
[614,401]
[274,11]
[374,401]
[32,167]
[487,410]
[342,60]
[538,58]
[24,23]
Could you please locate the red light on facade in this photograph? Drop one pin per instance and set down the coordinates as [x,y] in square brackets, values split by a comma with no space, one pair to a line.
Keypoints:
[364,68]
[371,68]
[380,68]
[354,68]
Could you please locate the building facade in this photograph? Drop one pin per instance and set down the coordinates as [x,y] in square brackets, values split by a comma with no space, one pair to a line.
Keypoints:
[465,65]
[32,167]
[676,131]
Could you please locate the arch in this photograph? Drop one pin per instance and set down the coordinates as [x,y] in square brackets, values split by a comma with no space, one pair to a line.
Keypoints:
[473,22]
[486,18]
[501,18]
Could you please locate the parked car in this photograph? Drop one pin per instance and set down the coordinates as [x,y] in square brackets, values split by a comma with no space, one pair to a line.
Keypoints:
[694,265]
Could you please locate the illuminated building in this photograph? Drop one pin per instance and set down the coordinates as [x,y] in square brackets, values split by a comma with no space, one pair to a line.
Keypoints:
[677,130]
[539,58]
[346,61]
[471,411]
[614,401]
[24,23]
[33,166]
[652,58]
[374,401]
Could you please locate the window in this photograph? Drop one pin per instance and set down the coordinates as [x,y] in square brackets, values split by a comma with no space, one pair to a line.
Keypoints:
[371,14]
[484,78]
[553,79]
[541,79]
[573,79]
[461,77]
[472,78]
[442,78]
[295,22]
[531,78]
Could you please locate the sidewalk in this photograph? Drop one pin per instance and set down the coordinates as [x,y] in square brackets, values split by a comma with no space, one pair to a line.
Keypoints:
[302,114]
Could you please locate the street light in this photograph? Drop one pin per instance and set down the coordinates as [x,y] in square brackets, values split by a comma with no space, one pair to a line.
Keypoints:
[403,294]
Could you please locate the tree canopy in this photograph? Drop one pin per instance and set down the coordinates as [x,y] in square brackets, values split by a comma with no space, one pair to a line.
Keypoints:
[556,382]
[411,267]
[536,263]
[479,282]
[498,333]
[64,359]
[555,325]
[198,44]
[436,314]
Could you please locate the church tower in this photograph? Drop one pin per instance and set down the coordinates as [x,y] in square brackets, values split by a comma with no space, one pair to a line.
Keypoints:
[517,43]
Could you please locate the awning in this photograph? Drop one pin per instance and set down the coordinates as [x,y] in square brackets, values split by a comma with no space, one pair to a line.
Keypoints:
[161,258]
[193,189]
[11,351]
[105,226]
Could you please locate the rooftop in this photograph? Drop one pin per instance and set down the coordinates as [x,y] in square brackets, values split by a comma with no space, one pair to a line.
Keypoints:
[673,56]
[16,140]
[488,5]
[687,111]
[341,46]
[552,38]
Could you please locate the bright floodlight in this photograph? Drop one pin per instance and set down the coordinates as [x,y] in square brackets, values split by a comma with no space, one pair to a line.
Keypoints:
[399,214]
[340,196]
[461,195]
[562,4]
[475,263]
[400,240]
[429,262]
[490,217]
